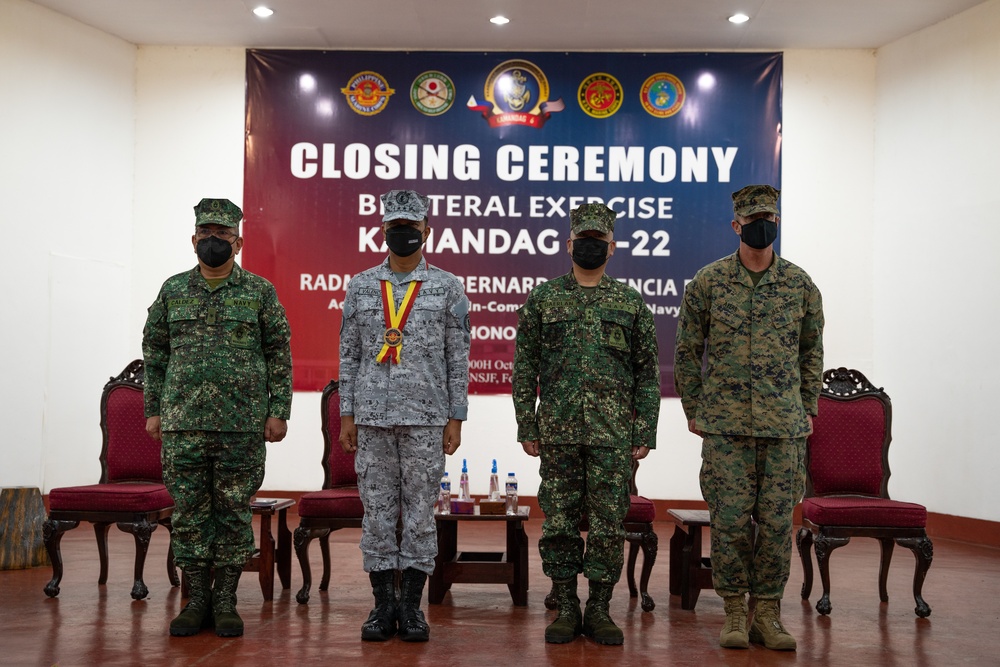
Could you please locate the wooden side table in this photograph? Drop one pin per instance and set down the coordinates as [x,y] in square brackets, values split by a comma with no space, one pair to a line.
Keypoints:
[269,554]
[690,573]
[452,566]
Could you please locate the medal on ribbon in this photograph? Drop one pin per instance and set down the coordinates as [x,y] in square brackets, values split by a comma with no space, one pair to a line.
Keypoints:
[395,320]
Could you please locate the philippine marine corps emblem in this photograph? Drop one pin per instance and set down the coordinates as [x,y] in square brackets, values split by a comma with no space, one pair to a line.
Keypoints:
[516,93]
[432,93]
[662,95]
[367,93]
[600,95]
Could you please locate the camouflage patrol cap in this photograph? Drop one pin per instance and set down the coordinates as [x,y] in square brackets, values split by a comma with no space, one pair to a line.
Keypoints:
[407,204]
[217,212]
[596,217]
[755,199]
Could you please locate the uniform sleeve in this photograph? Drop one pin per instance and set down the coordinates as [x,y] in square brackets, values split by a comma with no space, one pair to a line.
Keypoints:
[458,339]
[811,351]
[276,345]
[155,355]
[527,362]
[646,387]
[350,349]
[692,330]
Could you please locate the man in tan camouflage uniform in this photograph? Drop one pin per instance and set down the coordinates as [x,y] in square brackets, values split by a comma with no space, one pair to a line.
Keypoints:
[404,384]
[760,318]
[218,384]
[588,342]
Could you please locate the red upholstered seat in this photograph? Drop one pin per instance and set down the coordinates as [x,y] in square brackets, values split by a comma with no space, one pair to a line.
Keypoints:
[130,494]
[847,486]
[640,510]
[337,506]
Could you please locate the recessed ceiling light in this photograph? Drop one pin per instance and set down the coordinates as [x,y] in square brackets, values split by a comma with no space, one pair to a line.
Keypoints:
[739,18]
[499,20]
[263,11]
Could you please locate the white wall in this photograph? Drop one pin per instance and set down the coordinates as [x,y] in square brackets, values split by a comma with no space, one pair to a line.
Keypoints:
[844,184]
[936,240]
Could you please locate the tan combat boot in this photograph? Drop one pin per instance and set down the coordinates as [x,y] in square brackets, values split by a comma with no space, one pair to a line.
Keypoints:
[569,624]
[767,629]
[734,631]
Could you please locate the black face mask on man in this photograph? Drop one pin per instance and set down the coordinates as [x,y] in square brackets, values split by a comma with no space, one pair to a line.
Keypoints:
[404,240]
[214,252]
[760,233]
[589,253]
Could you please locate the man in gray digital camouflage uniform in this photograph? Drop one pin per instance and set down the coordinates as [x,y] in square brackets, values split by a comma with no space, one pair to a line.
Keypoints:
[588,342]
[218,374]
[760,319]
[404,382]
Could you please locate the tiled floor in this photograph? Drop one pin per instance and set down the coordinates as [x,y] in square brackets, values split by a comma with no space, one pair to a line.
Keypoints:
[477,625]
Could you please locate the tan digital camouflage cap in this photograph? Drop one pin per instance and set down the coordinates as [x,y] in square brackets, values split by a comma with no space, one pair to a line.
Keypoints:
[407,204]
[755,199]
[217,212]
[596,217]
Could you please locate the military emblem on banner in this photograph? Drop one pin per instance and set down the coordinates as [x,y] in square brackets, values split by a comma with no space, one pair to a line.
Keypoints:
[516,93]
[600,95]
[368,93]
[432,93]
[662,95]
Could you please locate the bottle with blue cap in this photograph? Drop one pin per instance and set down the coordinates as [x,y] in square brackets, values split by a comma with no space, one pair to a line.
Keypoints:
[494,483]
[444,498]
[463,483]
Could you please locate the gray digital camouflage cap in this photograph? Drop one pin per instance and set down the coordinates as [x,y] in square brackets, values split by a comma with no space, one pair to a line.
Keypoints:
[755,199]
[407,204]
[217,212]
[596,217]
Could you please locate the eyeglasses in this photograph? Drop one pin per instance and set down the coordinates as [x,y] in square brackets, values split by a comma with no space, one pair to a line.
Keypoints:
[224,234]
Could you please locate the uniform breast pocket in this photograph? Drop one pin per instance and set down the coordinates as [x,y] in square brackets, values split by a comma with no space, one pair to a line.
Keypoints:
[185,326]
[616,329]
[558,325]
[241,327]
[726,316]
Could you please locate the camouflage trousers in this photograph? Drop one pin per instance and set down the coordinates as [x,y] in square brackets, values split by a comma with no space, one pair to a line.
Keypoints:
[580,481]
[399,472]
[211,477]
[746,480]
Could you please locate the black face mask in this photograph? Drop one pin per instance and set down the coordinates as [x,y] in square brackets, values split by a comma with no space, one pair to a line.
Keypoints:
[589,253]
[214,251]
[760,233]
[404,240]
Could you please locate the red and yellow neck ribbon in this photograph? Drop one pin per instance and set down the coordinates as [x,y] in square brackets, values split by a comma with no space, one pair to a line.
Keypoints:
[392,346]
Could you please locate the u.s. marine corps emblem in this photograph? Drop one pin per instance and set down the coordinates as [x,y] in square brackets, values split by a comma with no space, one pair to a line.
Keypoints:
[600,95]
[367,93]
[516,93]
[662,95]
[432,93]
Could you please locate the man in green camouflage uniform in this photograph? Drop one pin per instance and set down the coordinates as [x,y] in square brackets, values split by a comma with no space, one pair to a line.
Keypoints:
[218,384]
[760,319]
[588,342]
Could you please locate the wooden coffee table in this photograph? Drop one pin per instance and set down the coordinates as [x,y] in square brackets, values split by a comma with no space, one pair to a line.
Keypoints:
[452,566]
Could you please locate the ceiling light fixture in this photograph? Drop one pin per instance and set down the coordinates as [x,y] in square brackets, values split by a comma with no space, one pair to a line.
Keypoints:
[739,18]
[263,12]
[499,20]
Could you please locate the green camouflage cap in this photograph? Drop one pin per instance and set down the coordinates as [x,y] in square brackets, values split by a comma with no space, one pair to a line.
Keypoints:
[596,217]
[217,212]
[754,199]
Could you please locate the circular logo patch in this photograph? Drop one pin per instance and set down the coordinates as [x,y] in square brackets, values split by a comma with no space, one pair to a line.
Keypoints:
[600,95]
[516,86]
[367,93]
[662,95]
[432,93]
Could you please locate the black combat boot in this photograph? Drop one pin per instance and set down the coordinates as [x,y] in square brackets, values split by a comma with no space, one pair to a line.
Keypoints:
[381,623]
[412,624]
[227,622]
[569,623]
[197,614]
[597,623]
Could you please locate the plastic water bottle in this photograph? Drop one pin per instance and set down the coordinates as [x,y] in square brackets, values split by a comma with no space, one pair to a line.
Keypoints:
[463,483]
[494,483]
[511,494]
[444,499]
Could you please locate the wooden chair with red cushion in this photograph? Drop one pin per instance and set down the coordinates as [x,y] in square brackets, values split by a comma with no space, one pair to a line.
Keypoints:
[337,506]
[847,486]
[130,494]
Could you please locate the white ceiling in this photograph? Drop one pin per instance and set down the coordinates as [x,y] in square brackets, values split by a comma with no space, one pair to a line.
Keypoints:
[536,25]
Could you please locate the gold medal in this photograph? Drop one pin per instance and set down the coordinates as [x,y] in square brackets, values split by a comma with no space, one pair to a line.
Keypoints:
[393,337]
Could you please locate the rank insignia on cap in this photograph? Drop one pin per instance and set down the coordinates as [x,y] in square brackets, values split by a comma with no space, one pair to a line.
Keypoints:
[407,204]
